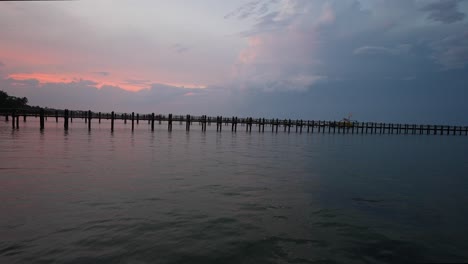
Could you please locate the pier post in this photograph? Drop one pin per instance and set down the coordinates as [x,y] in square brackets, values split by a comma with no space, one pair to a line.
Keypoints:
[99,117]
[138,119]
[24,116]
[13,119]
[133,121]
[71,116]
[65,119]
[235,126]
[112,121]
[169,123]
[89,119]
[56,116]
[152,121]
[41,118]
[204,123]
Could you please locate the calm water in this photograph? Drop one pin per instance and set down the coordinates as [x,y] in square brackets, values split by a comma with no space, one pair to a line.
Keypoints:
[211,197]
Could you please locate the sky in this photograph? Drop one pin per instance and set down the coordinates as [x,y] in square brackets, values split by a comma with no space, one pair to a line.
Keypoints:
[379,60]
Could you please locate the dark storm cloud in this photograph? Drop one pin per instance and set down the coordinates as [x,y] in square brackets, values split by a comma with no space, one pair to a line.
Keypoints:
[445,11]
[452,51]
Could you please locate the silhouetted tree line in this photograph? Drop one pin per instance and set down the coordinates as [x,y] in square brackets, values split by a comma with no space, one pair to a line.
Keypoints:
[7,101]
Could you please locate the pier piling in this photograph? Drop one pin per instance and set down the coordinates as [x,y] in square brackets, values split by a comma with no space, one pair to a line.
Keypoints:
[89,119]
[112,121]
[13,119]
[65,119]
[41,118]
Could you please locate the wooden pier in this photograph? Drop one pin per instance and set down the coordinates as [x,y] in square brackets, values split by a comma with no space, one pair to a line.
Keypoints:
[275,125]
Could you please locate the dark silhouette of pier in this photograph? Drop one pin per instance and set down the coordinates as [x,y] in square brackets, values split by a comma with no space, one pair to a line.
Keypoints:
[246,123]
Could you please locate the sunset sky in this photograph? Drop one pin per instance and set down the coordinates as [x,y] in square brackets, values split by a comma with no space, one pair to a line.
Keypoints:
[381,60]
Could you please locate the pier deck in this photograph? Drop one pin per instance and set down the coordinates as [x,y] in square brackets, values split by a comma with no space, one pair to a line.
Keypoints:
[246,123]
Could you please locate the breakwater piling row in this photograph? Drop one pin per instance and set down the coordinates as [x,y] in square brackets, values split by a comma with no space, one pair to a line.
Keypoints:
[287,125]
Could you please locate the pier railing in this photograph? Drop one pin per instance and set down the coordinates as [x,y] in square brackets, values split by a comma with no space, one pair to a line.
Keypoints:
[260,124]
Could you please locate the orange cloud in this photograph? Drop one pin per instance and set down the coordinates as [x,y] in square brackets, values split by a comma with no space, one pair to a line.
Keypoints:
[100,81]
[47,66]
